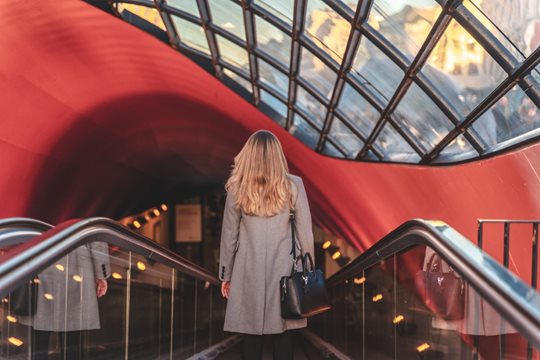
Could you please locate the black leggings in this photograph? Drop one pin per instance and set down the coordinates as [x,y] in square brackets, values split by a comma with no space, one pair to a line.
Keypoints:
[283,346]
[71,345]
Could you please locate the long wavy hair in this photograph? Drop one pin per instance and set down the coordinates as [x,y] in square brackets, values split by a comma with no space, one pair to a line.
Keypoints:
[259,178]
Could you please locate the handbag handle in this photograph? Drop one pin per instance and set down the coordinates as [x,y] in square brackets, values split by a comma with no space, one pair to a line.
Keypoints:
[293,267]
[307,256]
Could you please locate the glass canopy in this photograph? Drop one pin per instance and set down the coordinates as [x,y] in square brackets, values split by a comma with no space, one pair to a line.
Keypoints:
[411,81]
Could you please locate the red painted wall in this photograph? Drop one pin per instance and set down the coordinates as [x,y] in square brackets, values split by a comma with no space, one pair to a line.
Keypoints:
[97,117]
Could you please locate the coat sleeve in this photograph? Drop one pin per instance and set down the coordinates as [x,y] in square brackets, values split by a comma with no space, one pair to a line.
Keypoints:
[303,222]
[229,238]
[100,259]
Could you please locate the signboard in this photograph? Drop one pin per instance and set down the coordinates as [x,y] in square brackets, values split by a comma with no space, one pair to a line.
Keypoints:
[188,223]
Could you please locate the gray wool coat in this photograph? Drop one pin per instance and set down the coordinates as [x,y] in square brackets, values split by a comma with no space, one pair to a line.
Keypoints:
[67,299]
[254,255]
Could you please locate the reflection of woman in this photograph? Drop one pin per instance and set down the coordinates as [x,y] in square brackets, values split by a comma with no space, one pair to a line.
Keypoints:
[256,245]
[67,299]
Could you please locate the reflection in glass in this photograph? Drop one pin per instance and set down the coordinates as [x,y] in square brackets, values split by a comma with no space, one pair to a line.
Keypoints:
[461,69]
[327,28]
[458,149]
[149,14]
[317,74]
[232,53]
[303,131]
[283,9]
[330,150]
[357,110]
[513,115]
[424,120]
[274,78]
[228,16]
[191,34]
[278,109]
[394,147]
[189,6]
[344,137]
[374,66]
[237,78]
[405,23]
[311,106]
[273,41]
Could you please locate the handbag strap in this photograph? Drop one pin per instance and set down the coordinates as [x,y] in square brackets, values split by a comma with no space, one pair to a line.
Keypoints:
[292,221]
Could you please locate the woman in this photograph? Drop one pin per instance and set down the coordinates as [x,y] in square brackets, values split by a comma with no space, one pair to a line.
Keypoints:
[256,244]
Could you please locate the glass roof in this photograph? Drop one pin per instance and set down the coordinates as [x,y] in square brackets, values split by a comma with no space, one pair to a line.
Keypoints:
[409,81]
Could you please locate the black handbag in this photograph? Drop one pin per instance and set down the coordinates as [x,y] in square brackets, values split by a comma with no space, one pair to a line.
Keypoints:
[23,299]
[302,294]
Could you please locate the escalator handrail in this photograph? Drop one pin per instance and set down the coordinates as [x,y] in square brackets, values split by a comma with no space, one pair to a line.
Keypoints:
[516,301]
[22,262]
[14,231]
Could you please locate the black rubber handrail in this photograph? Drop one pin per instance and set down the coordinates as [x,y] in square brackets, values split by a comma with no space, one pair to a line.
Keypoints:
[516,301]
[22,262]
[14,231]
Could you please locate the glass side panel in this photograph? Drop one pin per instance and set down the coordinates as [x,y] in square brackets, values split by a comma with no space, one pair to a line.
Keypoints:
[149,14]
[514,115]
[422,117]
[228,16]
[303,131]
[517,20]
[461,69]
[191,34]
[459,149]
[327,28]
[283,9]
[376,68]
[273,41]
[233,53]
[358,112]
[276,109]
[344,137]
[311,106]
[413,305]
[394,147]
[274,78]
[237,78]
[405,23]
[189,6]
[317,74]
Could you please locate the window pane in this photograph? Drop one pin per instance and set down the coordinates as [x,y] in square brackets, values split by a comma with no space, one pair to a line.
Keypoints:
[394,147]
[232,53]
[357,110]
[405,23]
[149,14]
[513,115]
[191,34]
[326,28]
[228,16]
[422,117]
[189,6]
[279,113]
[461,69]
[283,9]
[518,20]
[330,150]
[317,74]
[311,106]
[273,41]
[304,132]
[459,149]
[274,78]
[372,65]
[344,137]
[240,80]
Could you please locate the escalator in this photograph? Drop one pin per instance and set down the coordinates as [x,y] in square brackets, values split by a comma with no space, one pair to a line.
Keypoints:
[159,305]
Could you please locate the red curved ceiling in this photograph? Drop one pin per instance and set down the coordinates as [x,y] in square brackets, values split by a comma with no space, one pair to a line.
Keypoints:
[98,117]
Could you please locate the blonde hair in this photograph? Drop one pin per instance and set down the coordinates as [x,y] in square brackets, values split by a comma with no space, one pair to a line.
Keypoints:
[259,178]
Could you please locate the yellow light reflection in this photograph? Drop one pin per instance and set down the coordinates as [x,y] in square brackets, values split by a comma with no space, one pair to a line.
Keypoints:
[377,297]
[156,212]
[136,224]
[11,319]
[423,347]
[147,217]
[336,255]
[77,278]
[36,281]
[15,341]
[141,266]
[398,319]
[359,280]
[5,300]
[117,276]
[48,296]
[60,267]
[164,207]
[147,13]
[326,244]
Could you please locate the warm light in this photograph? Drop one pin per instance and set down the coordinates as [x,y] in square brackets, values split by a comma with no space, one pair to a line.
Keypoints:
[48,296]
[117,276]
[359,280]
[141,266]
[398,319]
[60,267]
[206,285]
[146,217]
[36,281]
[336,255]
[164,207]
[156,212]
[377,297]
[326,244]
[15,341]
[11,319]
[136,223]
[77,278]
[5,300]
[423,347]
